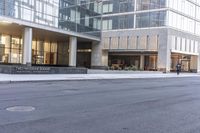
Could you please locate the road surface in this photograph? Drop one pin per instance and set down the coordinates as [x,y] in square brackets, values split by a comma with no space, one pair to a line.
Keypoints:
[167,105]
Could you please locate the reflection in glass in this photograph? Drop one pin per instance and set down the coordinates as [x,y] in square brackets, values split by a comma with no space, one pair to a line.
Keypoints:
[150,4]
[151,19]
[10,49]
[83,16]
[74,15]
[118,6]
[45,53]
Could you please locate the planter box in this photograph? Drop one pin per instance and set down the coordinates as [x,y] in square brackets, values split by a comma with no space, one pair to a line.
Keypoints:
[23,69]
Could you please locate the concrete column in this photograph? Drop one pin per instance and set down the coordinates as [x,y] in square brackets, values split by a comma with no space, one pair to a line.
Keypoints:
[154,63]
[141,62]
[193,63]
[72,51]
[105,58]
[96,56]
[198,67]
[27,49]
[198,60]
[164,52]
[8,44]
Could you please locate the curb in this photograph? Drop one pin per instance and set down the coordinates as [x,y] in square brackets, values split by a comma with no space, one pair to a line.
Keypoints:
[5,82]
[88,79]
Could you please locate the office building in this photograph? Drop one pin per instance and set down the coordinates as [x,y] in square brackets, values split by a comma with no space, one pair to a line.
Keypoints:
[151,34]
[50,32]
[148,35]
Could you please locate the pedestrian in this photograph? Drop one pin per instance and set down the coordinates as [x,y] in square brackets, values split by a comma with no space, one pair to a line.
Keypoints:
[178,68]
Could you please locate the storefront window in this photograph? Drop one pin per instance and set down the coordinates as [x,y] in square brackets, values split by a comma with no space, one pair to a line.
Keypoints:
[63,54]
[53,55]
[16,50]
[10,49]
[44,53]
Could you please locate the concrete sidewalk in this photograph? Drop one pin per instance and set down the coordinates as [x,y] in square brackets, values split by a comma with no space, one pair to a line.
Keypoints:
[94,71]
[4,78]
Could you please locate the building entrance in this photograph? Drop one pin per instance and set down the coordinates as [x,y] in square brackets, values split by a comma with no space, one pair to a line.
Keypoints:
[185,65]
[150,63]
[188,62]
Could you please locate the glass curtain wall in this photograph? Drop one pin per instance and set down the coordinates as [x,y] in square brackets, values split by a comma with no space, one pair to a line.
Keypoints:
[151,19]
[118,6]
[63,54]
[75,15]
[38,11]
[7,7]
[112,22]
[118,22]
[112,19]
[49,53]
[81,16]
[10,49]
[150,4]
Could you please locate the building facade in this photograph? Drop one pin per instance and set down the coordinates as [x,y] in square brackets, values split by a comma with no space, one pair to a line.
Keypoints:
[151,34]
[50,32]
[119,34]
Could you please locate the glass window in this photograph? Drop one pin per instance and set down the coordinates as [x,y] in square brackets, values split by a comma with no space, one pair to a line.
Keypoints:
[142,20]
[64,14]
[44,53]
[150,4]
[107,8]
[53,54]
[118,22]
[62,57]
[87,20]
[151,19]
[73,15]
[118,6]
[123,5]
[105,24]
[123,22]
[10,49]
[83,16]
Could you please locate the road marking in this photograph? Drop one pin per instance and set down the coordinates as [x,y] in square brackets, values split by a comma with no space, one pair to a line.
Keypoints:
[20,109]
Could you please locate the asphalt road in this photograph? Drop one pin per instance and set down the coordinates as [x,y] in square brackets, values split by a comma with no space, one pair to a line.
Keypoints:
[103,106]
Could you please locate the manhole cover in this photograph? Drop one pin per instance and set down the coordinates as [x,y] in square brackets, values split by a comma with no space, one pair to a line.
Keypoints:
[20,109]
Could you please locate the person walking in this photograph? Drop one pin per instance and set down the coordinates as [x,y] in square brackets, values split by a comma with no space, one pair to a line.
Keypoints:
[178,68]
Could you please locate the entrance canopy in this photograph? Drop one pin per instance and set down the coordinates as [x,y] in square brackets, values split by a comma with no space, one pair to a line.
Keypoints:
[15,29]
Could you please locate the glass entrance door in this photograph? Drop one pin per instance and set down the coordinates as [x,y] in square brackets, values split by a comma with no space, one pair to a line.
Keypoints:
[185,65]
